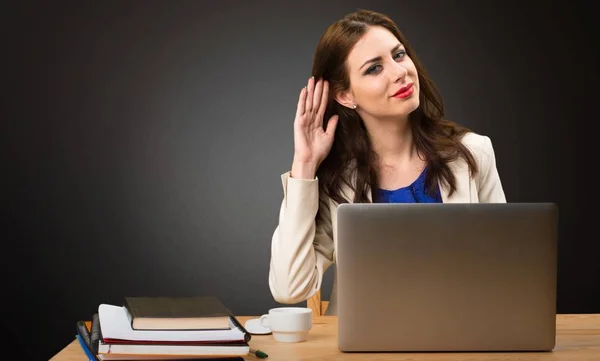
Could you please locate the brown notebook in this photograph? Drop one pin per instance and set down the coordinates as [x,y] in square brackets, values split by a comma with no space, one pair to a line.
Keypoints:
[178,313]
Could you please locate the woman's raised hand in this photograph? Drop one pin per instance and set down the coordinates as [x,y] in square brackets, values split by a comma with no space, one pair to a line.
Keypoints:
[311,142]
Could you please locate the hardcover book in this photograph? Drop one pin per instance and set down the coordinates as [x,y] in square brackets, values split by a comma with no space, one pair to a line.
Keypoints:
[178,313]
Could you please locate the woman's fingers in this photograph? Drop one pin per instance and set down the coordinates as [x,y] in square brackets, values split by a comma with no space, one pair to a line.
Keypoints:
[331,125]
[324,98]
[317,94]
[301,108]
[313,99]
[310,88]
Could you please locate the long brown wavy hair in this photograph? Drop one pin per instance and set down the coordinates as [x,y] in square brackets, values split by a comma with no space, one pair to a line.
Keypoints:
[352,160]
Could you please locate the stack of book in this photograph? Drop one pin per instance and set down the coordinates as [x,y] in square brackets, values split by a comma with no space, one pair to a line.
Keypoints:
[152,328]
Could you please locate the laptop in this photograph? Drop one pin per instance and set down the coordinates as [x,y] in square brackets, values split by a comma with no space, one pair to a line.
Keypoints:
[447,277]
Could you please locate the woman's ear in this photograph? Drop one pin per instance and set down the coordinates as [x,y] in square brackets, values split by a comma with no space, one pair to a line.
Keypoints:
[345,99]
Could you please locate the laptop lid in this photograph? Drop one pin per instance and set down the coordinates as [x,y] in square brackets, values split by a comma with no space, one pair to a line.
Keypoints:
[447,277]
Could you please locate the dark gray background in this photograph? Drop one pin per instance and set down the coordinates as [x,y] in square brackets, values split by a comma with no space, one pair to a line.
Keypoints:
[144,140]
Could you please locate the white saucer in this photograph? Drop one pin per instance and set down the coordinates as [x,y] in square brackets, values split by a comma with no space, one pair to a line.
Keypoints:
[253,326]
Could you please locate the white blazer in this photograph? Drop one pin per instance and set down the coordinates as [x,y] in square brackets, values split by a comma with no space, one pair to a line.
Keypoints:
[303,247]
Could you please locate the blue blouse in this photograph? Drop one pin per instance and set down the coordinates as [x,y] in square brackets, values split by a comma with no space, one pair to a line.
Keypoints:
[413,193]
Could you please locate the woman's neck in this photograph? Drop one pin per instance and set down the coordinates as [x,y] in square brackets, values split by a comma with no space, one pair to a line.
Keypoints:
[393,143]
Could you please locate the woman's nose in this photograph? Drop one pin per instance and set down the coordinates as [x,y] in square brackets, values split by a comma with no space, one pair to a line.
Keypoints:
[399,73]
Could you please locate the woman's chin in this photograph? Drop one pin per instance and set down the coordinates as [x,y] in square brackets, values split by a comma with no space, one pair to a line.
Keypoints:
[404,110]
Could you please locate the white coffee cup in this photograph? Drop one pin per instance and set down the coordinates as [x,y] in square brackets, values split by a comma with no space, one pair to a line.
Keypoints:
[288,324]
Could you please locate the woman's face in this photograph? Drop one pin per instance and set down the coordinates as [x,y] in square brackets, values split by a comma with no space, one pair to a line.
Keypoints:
[383,78]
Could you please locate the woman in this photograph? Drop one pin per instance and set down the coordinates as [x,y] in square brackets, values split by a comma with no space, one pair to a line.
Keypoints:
[369,127]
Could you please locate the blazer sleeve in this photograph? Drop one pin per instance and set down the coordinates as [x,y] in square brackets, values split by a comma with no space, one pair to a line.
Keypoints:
[302,245]
[490,187]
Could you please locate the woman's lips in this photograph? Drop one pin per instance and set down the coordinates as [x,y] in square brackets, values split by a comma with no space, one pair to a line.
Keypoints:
[404,91]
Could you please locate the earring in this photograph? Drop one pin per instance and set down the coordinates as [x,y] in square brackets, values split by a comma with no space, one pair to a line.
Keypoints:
[354,106]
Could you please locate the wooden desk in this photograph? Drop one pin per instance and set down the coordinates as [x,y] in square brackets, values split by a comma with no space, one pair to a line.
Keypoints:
[577,338]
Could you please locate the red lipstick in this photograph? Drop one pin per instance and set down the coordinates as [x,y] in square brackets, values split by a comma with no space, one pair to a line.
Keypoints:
[404,92]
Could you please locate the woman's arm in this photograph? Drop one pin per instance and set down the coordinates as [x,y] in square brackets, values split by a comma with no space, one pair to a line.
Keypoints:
[302,245]
[489,187]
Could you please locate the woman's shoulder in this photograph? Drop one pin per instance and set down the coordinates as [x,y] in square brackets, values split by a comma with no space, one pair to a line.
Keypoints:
[479,144]
[481,148]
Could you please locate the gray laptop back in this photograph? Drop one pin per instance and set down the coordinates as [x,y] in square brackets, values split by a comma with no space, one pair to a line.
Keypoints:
[447,277]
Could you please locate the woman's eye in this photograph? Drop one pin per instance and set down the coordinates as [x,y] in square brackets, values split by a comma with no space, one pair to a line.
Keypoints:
[399,54]
[373,69]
